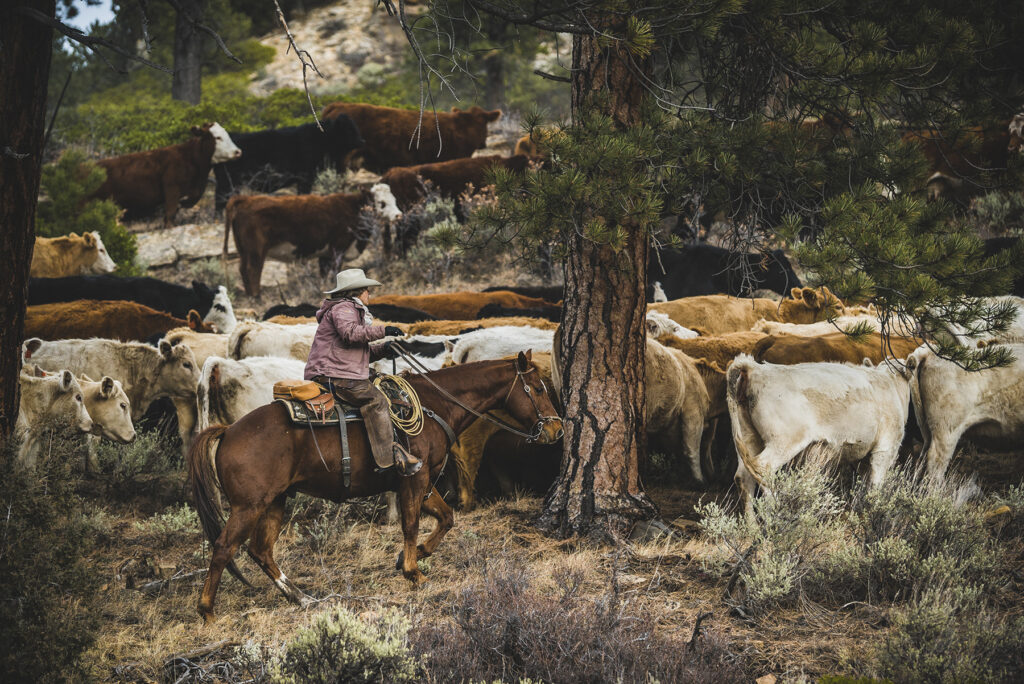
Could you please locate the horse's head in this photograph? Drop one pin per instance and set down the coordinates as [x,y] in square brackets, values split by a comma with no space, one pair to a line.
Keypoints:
[528,402]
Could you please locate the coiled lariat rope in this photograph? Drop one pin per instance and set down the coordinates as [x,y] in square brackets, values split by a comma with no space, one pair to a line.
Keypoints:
[408,418]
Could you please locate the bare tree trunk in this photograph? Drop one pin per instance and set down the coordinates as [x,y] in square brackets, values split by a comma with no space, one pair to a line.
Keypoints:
[25,56]
[186,84]
[494,66]
[598,493]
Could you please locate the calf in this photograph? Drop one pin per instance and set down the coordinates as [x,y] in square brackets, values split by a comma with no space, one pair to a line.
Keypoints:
[835,347]
[125,321]
[173,176]
[951,403]
[156,294]
[778,411]
[718,314]
[459,305]
[110,410]
[70,255]
[229,389]
[203,345]
[706,270]
[273,159]
[44,403]
[405,137]
[549,313]
[310,222]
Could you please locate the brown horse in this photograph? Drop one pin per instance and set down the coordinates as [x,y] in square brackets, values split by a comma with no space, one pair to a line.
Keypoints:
[263,457]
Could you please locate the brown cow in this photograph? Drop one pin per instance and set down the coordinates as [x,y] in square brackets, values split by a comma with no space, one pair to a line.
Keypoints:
[460,306]
[838,347]
[450,178]
[721,349]
[172,175]
[392,139]
[116,320]
[310,222]
[718,314]
[954,158]
[70,255]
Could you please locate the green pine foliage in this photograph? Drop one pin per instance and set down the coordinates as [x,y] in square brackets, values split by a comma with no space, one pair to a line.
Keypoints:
[64,209]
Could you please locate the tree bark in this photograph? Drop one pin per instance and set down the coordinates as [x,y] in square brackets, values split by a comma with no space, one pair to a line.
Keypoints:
[494,65]
[25,55]
[598,493]
[186,85]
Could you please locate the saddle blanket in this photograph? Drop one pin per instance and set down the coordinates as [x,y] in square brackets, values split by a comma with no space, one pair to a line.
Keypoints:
[300,414]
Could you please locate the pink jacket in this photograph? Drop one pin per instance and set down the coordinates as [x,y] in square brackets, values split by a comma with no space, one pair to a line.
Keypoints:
[341,347]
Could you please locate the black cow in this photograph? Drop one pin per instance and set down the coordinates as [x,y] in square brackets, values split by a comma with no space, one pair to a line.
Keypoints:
[272,159]
[551,293]
[995,245]
[156,294]
[385,312]
[550,313]
[705,269]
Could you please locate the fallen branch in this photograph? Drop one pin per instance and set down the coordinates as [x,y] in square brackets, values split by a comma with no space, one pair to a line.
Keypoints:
[157,586]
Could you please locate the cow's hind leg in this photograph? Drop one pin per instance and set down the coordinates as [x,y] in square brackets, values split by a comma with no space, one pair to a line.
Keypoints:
[261,549]
[235,533]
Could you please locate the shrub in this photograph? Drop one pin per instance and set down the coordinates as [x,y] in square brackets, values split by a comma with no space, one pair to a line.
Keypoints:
[65,185]
[48,615]
[171,525]
[341,647]
[505,628]
[1001,213]
[149,454]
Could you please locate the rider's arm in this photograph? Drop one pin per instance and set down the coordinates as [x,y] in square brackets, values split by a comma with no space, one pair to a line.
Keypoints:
[349,324]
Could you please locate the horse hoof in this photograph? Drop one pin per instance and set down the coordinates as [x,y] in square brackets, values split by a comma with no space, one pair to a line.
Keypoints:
[417,578]
[209,617]
[400,562]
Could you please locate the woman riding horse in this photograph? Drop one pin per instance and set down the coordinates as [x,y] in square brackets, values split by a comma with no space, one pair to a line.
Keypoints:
[339,359]
[263,458]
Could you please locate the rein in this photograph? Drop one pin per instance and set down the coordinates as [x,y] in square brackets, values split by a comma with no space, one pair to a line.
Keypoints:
[423,371]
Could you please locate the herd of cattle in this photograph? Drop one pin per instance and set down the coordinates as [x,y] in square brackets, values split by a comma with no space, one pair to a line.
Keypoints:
[776,372]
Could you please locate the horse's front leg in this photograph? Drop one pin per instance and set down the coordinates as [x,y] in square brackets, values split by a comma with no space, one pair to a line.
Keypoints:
[435,507]
[411,492]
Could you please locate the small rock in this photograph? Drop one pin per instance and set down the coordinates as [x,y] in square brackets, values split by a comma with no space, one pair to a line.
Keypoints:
[165,571]
[650,531]
[767,679]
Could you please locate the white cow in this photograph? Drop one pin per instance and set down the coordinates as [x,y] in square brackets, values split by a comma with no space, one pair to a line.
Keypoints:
[221,314]
[840,323]
[260,338]
[54,401]
[229,389]
[1014,332]
[499,342]
[950,403]
[659,324]
[778,411]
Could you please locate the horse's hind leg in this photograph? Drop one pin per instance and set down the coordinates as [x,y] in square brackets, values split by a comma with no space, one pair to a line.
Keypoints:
[261,549]
[436,508]
[224,549]
[410,499]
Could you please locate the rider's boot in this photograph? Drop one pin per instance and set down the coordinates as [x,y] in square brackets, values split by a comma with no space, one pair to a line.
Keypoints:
[407,464]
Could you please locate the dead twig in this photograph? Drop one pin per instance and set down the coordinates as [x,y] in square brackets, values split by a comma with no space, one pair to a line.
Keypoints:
[305,59]
[157,586]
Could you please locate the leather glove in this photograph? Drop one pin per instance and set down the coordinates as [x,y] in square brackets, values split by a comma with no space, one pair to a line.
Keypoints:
[393,331]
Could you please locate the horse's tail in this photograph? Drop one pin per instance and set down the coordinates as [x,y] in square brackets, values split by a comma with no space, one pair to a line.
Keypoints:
[202,471]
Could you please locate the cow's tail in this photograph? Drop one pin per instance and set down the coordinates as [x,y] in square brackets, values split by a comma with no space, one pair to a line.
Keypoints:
[202,471]
[915,363]
[761,348]
[745,435]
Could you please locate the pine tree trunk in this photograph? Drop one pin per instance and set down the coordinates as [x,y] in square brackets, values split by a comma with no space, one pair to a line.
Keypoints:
[25,56]
[494,66]
[186,84]
[598,492]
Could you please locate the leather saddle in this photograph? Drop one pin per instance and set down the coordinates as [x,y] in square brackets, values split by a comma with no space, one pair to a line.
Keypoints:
[310,404]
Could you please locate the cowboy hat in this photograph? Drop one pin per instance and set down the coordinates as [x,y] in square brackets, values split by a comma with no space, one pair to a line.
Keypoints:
[352,279]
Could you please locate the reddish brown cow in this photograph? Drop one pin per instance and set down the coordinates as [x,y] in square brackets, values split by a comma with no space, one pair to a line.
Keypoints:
[392,140]
[457,306]
[310,222]
[954,158]
[172,176]
[116,320]
[450,178]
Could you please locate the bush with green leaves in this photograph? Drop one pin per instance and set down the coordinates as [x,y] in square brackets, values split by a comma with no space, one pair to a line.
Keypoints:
[150,453]
[48,608]
[339,646]
[65,186]
[172,525]
[1000,213]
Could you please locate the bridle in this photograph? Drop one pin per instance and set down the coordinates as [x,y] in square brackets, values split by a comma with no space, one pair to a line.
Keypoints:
[531,436]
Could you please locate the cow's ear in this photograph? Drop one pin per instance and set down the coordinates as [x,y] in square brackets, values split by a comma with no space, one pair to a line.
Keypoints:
[456,110]
[494,115]
[202,291]
[449,346]
[194,321]
[867,363]
[30,347]
[66,379]
[166,350]
[810,298]
[89,238]
[107,387]
[796,292]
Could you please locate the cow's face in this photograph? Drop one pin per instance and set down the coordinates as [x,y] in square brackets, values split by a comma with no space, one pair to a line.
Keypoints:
[102,262]
[69,404]
[110,410]
[178,375]
[1016,129]
[473,122]
[384,202]
[223,148]
[221,315]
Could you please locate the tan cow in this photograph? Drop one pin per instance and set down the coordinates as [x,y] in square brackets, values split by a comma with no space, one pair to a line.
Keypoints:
[836,347]
[720,349]
[70,255]
[719,314]
[54,401]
